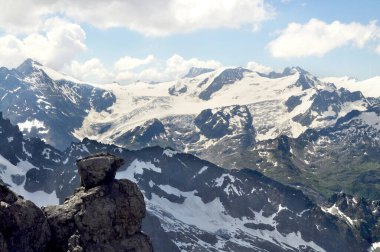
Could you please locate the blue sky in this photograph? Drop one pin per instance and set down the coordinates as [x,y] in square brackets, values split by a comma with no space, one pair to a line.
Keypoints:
[159,40]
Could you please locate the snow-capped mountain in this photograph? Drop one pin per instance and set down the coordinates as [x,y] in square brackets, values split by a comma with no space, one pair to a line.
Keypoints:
[288,103]
[192,204]
[233,117]
[369,87]
[196,205]
[195,71]
[28,165]
[41,105]
[320,162]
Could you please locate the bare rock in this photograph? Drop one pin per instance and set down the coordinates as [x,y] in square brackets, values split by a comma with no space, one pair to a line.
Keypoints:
[98,169]
[23,226]
[104,215]
[104,218]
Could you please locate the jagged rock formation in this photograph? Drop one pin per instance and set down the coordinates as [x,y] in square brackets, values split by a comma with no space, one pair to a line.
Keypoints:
[104,215]
[98,169]
[360,213]
[23,226]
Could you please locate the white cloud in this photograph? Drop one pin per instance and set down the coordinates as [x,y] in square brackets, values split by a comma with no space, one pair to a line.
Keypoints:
[150,17]
[91,70]
[56,43]
[24,16]
[32,29]
[153,69]
[178,66]
[11,51]
[316,38]
[378,49]
[174,67]
[254,66]
[129,63]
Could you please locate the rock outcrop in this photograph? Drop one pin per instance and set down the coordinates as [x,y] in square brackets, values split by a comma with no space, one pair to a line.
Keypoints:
[98,169]
[23,226]
[104,214]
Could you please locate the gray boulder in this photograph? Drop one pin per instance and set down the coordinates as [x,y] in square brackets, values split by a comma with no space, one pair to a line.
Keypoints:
[98,169]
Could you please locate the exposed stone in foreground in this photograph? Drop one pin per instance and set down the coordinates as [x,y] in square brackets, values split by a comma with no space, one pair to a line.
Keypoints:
[105,215]
[23,226]
[98,169]
[103,218]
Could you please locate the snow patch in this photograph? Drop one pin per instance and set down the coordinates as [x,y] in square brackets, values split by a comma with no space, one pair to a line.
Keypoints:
[28,125]
[169,152]
[212,217]
[375,247]
[202,170]
[40,198]
[334,210]
[137,167]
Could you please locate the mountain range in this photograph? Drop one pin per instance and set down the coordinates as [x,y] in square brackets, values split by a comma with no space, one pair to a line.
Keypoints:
[313,136]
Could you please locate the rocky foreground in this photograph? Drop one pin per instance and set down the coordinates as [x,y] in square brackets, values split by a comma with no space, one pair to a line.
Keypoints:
[104,214]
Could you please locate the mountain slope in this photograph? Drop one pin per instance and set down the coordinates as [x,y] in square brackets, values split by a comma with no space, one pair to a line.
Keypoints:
[288,103]
[28,165]
[341,157]
[45,107]
[196,205]
[369,87]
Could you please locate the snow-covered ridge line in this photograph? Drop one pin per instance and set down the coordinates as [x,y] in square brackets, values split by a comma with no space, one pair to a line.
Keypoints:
[369,87]
[287,103]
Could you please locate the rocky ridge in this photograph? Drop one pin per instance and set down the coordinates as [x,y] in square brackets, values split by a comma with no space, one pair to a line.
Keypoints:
[103,215]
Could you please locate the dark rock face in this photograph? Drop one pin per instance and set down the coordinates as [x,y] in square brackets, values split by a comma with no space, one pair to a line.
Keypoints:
[218,123]
[358,212]
[104,215]
[177,89]
[329,104]
[97,170]
[104,218]
[142,135]
[293,102]
[23,226]
[228,76]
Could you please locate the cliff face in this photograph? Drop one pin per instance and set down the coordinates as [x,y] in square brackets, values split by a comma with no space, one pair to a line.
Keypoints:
[23,226]
[103,215]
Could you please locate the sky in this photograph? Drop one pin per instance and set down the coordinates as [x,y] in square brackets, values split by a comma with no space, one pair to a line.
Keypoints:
[158,40]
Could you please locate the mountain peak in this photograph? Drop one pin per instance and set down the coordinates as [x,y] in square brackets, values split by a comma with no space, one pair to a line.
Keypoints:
[32,62]
[195,71]
[294,69]
[28,66]
[286,72]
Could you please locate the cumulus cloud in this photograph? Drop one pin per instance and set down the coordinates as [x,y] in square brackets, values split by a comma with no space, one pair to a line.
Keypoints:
[25,16]
[316,38]
[254,66]
[146,69]
[32,29]
[174,67]
[129,63]
[92,71]
[150,17]
[55,43]
[178,66]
